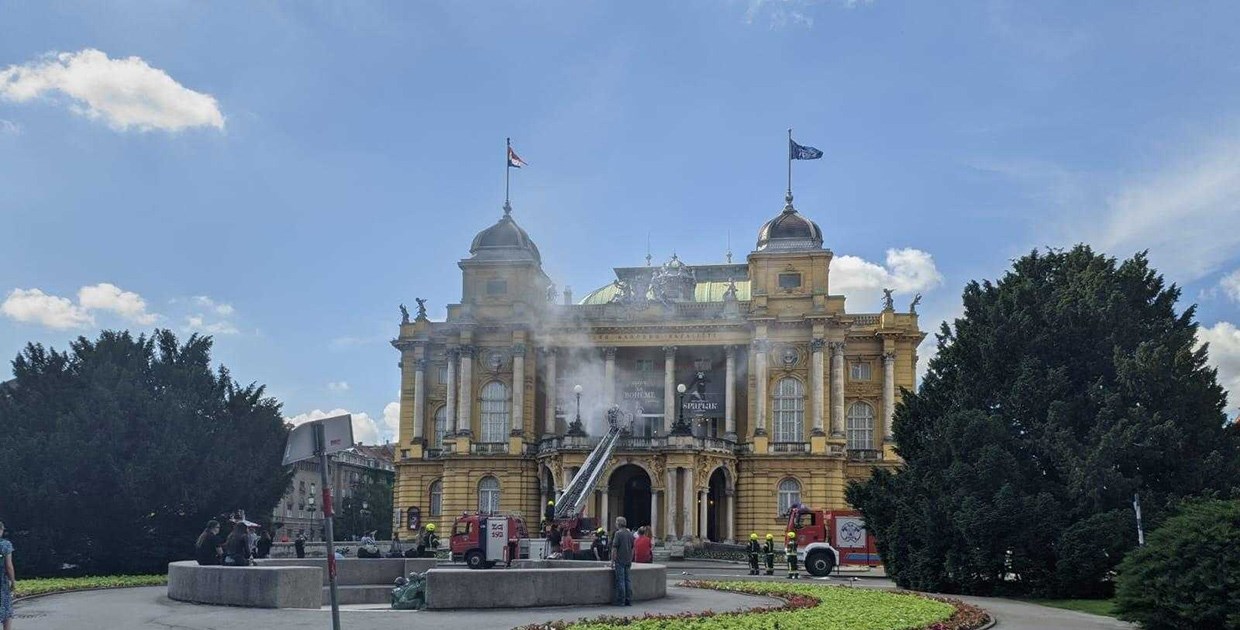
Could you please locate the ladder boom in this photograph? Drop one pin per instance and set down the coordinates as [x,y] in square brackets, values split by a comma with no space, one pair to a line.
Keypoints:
[578,490]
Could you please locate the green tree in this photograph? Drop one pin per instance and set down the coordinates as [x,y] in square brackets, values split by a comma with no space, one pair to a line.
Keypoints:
[1066,387]
[367,509]
[1188,573]
[117,452]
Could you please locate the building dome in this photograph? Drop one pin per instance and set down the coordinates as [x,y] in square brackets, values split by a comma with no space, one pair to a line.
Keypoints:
[789,231]
[505,241]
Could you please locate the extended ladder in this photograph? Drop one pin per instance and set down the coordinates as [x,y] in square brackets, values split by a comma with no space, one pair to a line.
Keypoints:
[578,490]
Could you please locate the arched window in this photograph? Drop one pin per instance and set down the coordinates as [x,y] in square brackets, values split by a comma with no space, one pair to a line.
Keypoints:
[494,412]
[488,495]
[441,426]
[789,409]
[860,427]
[436,497]
[789,495]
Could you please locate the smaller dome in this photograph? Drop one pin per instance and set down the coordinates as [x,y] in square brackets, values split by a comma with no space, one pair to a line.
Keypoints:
[788,231]
[505,241]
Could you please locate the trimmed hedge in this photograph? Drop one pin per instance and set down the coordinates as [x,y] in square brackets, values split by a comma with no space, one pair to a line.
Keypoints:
[43,586]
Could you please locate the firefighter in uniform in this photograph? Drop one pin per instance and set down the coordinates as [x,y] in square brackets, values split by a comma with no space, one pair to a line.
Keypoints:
[768,550]
[429,543]
[753,549]
[790,554]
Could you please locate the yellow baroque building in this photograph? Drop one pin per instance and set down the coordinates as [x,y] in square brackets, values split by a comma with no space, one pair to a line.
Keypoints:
[744,388]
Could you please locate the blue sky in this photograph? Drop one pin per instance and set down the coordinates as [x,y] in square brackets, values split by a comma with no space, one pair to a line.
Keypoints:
[283,175]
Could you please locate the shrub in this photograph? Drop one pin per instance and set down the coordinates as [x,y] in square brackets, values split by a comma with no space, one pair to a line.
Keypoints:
[1188,573]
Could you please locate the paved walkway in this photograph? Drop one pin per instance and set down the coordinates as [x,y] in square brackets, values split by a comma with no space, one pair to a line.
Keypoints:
[150,609]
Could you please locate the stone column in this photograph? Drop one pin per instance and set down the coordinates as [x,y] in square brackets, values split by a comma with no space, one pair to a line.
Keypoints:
[816,383]
[518,390]
[465,395]
[454,356]
[654,514]
[889,393]
[702,517]
[730,511]
[604,512]
[686,503]
[549,387]
[419,398]
[729,396]
[837,389]
[669,503]
[760,348]
[669,388]
[609,375]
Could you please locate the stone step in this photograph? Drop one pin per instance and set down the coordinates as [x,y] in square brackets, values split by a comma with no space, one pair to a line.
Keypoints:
[366,594]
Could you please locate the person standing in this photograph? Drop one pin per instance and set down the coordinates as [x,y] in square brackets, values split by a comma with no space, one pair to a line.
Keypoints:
[553,537]
[207,548]
[264,545]
[622,561]
[600,547]
[643,546]
[299,545]
[752,550]
[790,554]
[568,546]
[8,581]
[768,550]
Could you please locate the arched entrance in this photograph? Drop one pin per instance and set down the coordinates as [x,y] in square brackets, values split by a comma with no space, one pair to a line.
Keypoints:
[715,496]
[628,492]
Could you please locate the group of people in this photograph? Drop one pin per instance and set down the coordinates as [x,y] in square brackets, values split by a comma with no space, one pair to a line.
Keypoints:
[239,549]
[768,550]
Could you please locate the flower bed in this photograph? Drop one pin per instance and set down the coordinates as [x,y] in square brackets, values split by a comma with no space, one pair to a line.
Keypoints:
[806,606]
[43,586]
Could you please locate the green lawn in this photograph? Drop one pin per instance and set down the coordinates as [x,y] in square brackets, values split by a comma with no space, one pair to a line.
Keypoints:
[41,586]
[1104,607]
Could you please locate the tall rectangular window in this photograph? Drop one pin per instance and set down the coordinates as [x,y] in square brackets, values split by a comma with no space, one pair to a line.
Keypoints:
[788,410]
[860,371]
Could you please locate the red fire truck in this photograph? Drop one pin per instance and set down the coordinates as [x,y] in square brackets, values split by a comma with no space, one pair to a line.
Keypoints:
[826,538]
[481,540]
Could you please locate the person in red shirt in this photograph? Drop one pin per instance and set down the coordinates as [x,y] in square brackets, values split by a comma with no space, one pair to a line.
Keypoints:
[642,546]
[567,545]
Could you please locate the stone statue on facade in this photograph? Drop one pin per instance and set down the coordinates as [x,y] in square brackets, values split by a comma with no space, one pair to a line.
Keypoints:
[421,307]
[624,292]
[912,307]
[551,293]
[888,302]
[404,314]
[729,295]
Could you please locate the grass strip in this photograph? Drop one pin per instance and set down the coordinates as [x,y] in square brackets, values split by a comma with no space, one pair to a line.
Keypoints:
[43,586]
[1104,607]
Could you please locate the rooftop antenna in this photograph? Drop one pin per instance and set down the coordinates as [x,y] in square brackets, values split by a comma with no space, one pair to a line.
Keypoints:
[648,256]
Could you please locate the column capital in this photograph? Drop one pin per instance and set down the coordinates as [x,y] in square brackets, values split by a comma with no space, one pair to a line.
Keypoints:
[669,352]
[837,347]
[518,349]
[452,352]
[889,357]
[609,353]
[548,350]
[761,345]
[730,351]
[815,345]
[467,351]
[420,365]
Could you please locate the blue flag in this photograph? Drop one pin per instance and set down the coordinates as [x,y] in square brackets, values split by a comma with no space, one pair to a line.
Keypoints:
[798,152]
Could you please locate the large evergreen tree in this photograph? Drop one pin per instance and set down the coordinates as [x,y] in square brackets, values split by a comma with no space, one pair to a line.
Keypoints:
[1066,387]
[116,453]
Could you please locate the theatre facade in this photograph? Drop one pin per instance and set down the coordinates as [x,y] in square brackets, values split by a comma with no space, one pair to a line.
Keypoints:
[743,388]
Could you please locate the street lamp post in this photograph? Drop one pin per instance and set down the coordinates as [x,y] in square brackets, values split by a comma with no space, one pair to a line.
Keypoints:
[680,427]
[575,427]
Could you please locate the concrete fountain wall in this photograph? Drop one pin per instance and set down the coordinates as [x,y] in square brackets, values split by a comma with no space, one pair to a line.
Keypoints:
[533,583]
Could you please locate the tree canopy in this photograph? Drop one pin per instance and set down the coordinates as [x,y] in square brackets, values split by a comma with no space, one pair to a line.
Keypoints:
[1066,387]
[116,454]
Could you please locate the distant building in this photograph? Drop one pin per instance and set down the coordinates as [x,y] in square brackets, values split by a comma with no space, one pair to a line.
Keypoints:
[744,387]
[301,508]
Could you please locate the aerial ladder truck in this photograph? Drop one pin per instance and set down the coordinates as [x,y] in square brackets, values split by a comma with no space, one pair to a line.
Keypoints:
[573,499]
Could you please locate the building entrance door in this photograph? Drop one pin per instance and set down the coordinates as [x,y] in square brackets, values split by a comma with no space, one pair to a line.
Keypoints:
[715,510]
[629,492]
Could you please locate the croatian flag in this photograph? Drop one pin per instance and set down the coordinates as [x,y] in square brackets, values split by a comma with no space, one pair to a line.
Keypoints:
[514,160]
[798,152]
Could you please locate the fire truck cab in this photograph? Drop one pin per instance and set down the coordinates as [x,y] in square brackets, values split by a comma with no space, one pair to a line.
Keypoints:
[827,538]
[481,540]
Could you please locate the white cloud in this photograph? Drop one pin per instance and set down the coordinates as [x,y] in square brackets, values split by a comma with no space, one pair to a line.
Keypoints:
[1224,340]
[1230,284]
[125,93]
[36,307]
[365,429]
[391,417]
[338,386]
[109,297]
[9,128]
[198,323]
[781,13]
[907,271]
[219,308]
[1186,215]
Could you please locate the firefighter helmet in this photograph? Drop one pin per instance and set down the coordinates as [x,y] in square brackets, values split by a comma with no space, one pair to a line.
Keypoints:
[770,536]
[792,534]
[430,527]
[601,531]
[753,536]
[550,502]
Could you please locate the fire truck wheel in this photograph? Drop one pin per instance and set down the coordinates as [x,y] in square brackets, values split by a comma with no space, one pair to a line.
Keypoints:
[474,559]
[819,563]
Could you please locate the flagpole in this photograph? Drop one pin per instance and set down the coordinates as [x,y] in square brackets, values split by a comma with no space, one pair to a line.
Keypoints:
[507,170]
[789,162]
